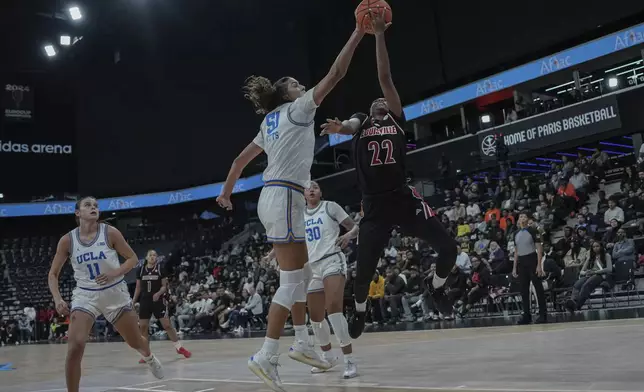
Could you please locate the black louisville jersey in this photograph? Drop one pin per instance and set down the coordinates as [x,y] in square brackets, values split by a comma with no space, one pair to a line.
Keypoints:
[379,149]
[150,279]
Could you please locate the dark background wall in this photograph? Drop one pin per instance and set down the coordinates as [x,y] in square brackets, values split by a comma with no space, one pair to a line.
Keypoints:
[169,113]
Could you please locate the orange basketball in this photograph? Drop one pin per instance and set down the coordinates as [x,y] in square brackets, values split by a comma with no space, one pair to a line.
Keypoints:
[366,8]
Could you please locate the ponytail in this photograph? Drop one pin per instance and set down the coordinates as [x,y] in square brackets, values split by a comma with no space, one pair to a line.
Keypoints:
[264,95]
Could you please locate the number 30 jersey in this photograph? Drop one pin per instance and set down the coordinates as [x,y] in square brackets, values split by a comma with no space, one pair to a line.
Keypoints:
[379,149]
[92,259]
[322,229]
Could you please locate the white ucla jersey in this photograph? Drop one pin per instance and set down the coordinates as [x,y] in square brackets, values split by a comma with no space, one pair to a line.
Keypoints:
[92,259]
[323,229]
[287,135]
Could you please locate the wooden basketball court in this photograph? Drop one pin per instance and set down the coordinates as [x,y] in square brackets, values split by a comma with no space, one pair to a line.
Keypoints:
[570,357]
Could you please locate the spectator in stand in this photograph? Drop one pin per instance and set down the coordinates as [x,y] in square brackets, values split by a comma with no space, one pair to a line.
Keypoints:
[492,212]
[613,212]
[377,295]
[395,239]
[412,293]
[583,238]
[459,211]
[463,261]
[610,236]
[391,253]
[26,331]
[602,202]
[576,255]
[563,245]
[580,182]
[628,178]
[624,249]
[497,258]
[505,218]
[478,285]
[481,246]
[463,229]
[394,290]
[596,269]
[530,190]
[473,210]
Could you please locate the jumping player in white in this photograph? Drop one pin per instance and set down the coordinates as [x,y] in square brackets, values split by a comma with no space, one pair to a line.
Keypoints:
[326,290]
[93,249]
[287,136]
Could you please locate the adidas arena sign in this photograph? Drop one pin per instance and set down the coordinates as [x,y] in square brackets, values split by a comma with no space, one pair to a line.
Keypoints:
[11,147]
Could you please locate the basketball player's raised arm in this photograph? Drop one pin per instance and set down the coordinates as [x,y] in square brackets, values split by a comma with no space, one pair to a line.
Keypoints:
[339,68]
[251,151]
[384,69]
[118,243]
[62,254]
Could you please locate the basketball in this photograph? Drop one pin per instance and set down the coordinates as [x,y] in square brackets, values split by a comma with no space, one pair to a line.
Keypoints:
[364,10]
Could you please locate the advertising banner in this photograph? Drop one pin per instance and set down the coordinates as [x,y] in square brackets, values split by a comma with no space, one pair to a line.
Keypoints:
[558,126]
[18,102]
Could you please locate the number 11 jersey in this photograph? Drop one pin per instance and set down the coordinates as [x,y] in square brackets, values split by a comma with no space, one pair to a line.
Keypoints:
[92,259]
[379,149]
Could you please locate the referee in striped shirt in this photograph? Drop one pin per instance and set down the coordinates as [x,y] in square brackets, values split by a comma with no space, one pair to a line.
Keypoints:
[528,267]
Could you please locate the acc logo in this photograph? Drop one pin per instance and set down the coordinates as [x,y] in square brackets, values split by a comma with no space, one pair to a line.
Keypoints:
[120,204]
[179,197]
[555,63]
[488,86]
[14,87]
[628,39]
[430,106]
[488,145]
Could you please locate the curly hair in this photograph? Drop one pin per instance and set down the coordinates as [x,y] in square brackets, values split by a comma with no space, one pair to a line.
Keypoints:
[264,95]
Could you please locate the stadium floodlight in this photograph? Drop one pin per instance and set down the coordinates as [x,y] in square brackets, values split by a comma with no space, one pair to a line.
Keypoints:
[486,119]
[65,40]
[612,82]
[75,13]
[50,50]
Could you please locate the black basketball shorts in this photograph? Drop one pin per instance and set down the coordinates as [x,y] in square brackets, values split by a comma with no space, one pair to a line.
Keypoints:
[147,308]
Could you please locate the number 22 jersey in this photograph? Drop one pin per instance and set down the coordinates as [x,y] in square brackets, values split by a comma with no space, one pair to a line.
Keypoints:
[379,149]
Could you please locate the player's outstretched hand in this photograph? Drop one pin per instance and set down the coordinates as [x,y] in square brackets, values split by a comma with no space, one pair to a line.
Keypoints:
[107,277]
[224,202]
[62,308]
[378,23]
[331,126]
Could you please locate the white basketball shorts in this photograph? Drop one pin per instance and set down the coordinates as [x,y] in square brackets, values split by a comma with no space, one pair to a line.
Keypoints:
[110,301]
[281,209]
[334,264]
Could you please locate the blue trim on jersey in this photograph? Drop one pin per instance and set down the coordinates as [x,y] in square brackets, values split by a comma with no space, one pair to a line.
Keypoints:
[107,239]
[285,184]
[126,308]
[102,288]
[297,123]
[290,236]
[84,311]
[98,234]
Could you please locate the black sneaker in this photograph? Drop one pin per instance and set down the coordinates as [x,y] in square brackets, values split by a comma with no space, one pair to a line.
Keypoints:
[541,320]
[441,300]
[571,305]
[525,320]
[357,321]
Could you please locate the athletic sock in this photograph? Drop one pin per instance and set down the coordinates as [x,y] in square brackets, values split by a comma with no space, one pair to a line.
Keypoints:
[149,359]
[361,307]
[270,346]
[177,345]
[301,333]
[438,282]
[348,358]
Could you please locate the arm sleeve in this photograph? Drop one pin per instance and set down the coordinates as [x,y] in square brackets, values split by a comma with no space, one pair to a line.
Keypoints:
[259,139]
[336,212]
[302,110]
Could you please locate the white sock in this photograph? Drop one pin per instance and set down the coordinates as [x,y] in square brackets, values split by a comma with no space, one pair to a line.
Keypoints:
[438,282]
[177,344]
[270,346]
[148,359]
[301,333]
[348,358]
[361,307]
[328,355]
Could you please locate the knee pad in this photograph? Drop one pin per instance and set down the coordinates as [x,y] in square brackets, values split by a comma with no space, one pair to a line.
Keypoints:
[308,276]
[291,289]
[322,332]
[340,328]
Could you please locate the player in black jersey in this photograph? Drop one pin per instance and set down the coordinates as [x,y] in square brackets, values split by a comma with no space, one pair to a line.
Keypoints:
[151,289]
[379,149]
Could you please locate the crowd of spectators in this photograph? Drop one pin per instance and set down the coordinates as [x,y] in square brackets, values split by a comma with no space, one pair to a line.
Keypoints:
[227,290]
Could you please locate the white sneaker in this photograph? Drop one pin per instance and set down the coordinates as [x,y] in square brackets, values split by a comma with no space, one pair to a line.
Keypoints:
[155,367]
[331,361]
[305,352]
[265,368]
[350,370]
